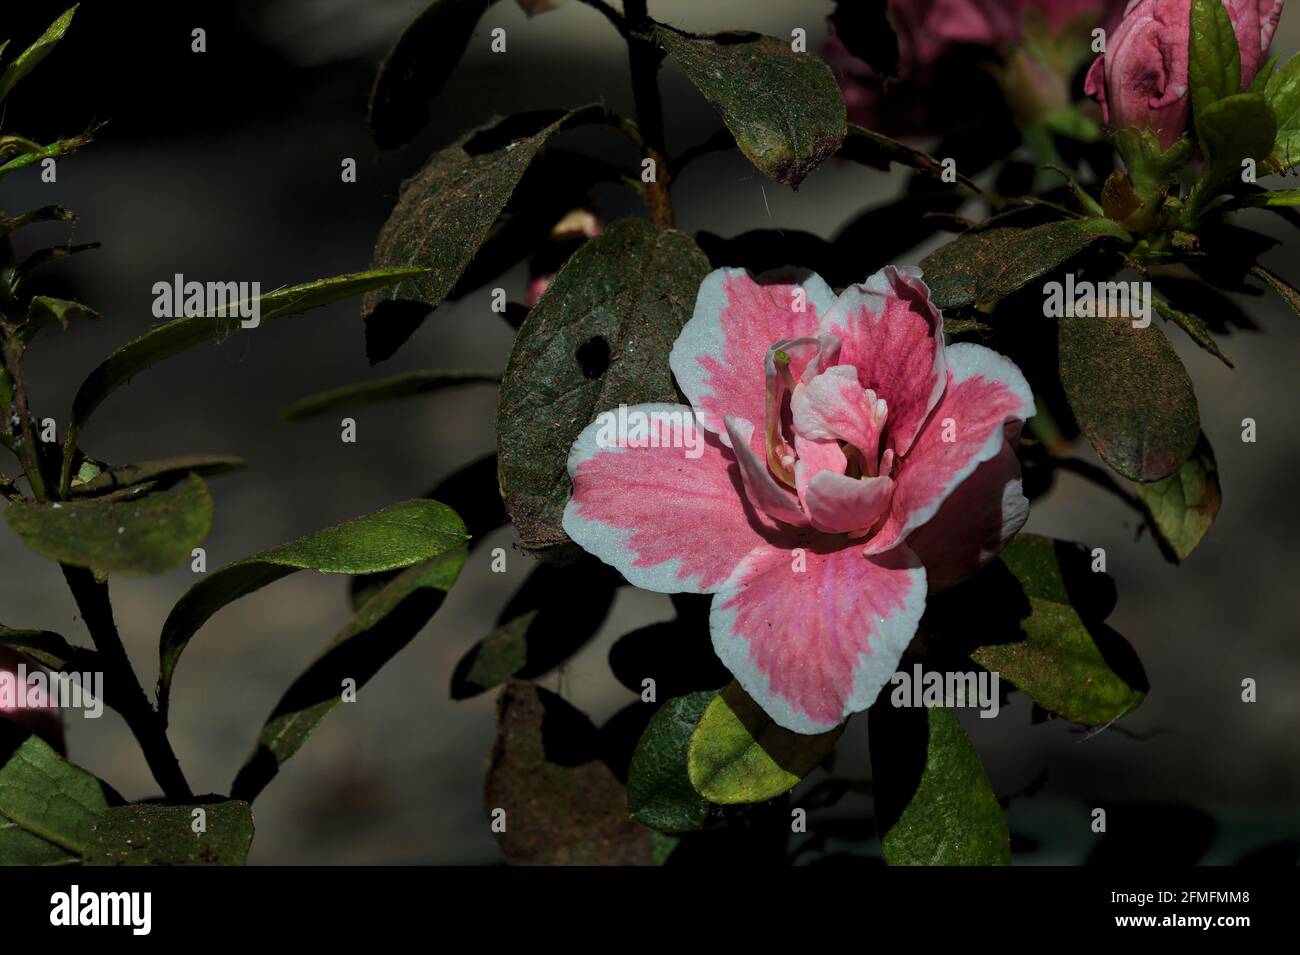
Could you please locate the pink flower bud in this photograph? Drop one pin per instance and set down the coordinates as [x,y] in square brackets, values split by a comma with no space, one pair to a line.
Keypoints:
[1141,81]
[29,707]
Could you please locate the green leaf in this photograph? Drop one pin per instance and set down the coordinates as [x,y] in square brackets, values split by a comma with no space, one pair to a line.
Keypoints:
[1214,60]
[43,310]
[26,61]
[351,397]
[48,807]
[1279,198]
[1130,393]
[739,755]
[877,151]
[184,333]
[114,479]
[446,212]
[48,649]
[152,834]
[784,109]
[140,533]
[659,790]
[1193,325]
[983,266]
[599,337]
[379,630]
[62,147]
[43,214]
[934,804]
[1183,506]
[1283,94]
[1232,130]
[1046,635]
[1260,83]
[554,613]
[417,66]
[1151,167]
[562,804]
[396,536]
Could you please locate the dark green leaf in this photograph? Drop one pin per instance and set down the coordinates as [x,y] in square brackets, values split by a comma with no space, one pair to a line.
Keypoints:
[554,613]
[659,790]
[396,536]
[1214,60]
[739,755]
[48,807]
[1194,326]
[599,337]
[1056,649]
[137,534]
[873,149]
[152,834]
[43,310]
[784,108]
[562,805]
[129,475]
[417,67]
[1232,130]
[984,266]
[48,649]
[26,61]
[446,212]
[366,393]
[1131,395]
[1283,94]
[934,804]
[379,630]
[1183,506]
[183,333]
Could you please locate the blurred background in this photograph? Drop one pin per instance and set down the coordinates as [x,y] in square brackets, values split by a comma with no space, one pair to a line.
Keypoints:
[226,165]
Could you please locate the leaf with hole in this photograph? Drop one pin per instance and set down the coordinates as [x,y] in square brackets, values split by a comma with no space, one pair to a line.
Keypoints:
[599,337]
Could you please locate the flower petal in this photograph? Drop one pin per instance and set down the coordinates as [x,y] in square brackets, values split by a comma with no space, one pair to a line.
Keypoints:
[985,393]
[812,646]
[814,458]
[668,522]
[763,491]
[838,504]
[891,333]
[835,405]
[972,526]
[718,358]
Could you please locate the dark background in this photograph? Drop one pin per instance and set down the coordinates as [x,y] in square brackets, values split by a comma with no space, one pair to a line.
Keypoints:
[226,166]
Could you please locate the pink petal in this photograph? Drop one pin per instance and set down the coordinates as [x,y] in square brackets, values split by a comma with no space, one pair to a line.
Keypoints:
[891,333]
[38,717]
[972,526]
[814,458]
[835,405]
[667,522]
[760,487]
[804,358]
[985,393]
[718,360]
[812,647]
[838,504]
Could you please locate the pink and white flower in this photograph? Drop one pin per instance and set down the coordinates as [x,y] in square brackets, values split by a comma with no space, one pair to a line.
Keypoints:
[31,709]
[852,462]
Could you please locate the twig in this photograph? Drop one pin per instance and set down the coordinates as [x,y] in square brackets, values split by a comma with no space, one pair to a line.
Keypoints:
[644,58]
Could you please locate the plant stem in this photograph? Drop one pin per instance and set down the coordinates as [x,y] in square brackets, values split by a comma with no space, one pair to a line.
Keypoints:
[29,454]
[644,58]
[130,700]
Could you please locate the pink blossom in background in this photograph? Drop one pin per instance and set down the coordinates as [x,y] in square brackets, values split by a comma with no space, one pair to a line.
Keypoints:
[850,463]
[1141,81]
[38,716]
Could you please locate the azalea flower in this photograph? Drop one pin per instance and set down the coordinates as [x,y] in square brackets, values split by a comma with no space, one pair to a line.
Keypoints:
[851,464]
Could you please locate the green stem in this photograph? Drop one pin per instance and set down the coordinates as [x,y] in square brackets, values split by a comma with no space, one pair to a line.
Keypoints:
[28,453]
[129,697]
